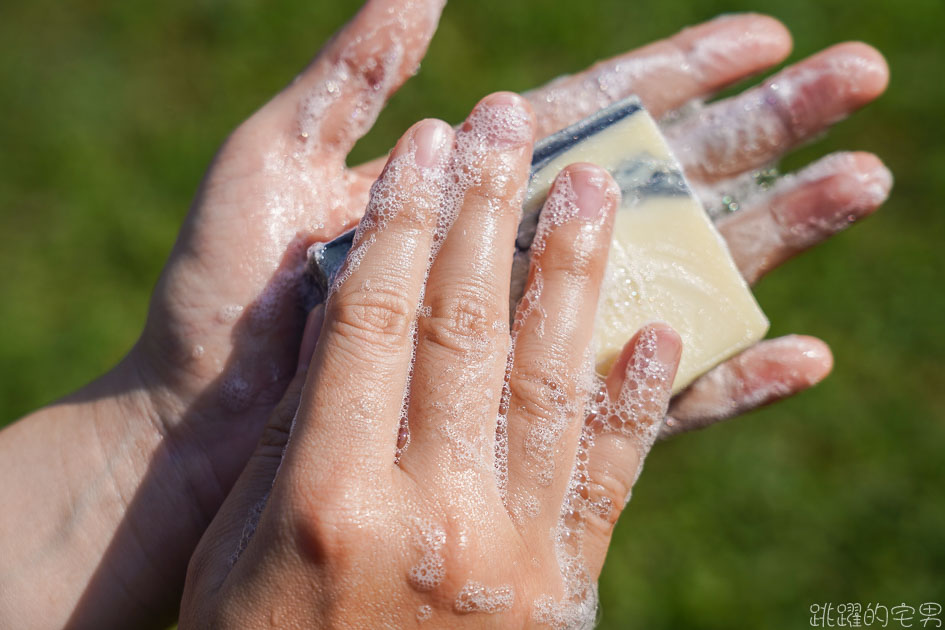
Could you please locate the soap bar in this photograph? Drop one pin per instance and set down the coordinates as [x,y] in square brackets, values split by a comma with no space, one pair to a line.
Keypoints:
[667,261]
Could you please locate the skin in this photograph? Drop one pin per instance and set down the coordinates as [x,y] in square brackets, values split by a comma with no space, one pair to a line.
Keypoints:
[346,559]
[108,491]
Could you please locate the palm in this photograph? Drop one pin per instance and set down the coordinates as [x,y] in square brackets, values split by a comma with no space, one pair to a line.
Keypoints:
[226,318]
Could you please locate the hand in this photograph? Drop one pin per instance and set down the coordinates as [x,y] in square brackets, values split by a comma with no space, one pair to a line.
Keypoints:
[503,501]
[722,145]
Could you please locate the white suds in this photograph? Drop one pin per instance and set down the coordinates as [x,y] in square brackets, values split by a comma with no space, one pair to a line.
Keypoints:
[430,570]
[424,613]
[229,313]
[475,597]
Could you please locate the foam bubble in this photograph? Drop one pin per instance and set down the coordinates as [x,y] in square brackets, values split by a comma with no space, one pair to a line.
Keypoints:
[476,597]
[229,313]
[430,570]
[424,613]
[235,391]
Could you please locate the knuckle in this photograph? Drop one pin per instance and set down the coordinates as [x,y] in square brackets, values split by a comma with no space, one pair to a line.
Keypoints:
[575,261]
[465,322]
[607,496]
[376,316]
[539,394]
[325,522]
[502,183]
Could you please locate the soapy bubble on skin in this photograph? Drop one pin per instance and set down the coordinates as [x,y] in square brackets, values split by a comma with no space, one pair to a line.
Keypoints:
[570,98]
[235,391]
[787,224]
[871,189]
[636,414]
[430,570]
[768,372]
[476,597]
[577,607]
[447,183]
[424,613]
[229,313]
[764,122]
[301,189]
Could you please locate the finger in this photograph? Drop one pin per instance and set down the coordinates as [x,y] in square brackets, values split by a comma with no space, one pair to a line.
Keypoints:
[761,124]
[765,373]
[548,382]
[805,209]
[619,435]
[356,384]
[337,98]
[695,62]
[462,342]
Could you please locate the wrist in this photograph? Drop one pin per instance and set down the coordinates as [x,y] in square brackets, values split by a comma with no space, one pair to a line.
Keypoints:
[115,510]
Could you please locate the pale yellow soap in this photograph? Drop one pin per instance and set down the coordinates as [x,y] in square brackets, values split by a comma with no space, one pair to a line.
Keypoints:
[667,260]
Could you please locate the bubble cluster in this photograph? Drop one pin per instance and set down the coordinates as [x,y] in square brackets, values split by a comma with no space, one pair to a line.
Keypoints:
[229,313]
[571,97]
[717,140]
[476,597]
[424,613]
[430,570]
[636,414]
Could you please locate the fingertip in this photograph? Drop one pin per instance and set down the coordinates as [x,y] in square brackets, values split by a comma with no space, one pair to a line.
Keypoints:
[596,193]
[814,359]
[505,98]
[505,119]
[668,345]
[431,140]
[774,38]
[664,344]
[874,174]
[862,66]
[762,39]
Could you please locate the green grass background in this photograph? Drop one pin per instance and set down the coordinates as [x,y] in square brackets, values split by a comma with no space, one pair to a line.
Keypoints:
[110,112]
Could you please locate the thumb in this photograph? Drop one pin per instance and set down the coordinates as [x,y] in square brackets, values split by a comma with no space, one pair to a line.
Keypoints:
[235,523]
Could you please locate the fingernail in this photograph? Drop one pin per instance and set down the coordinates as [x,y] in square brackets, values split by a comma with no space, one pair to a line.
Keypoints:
[430,138]
[668,345]
[591,185]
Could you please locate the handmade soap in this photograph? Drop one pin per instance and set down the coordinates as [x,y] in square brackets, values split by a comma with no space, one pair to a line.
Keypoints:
[667,261]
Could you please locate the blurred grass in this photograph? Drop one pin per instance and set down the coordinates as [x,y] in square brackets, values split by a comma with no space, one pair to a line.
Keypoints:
[110,112]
